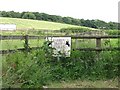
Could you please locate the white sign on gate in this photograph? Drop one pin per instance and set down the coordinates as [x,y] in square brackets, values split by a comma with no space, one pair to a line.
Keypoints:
[61,44]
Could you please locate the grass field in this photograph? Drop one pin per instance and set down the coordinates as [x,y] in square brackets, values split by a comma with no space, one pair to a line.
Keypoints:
[80,43]
[34,24]
[14,44]
[27,24]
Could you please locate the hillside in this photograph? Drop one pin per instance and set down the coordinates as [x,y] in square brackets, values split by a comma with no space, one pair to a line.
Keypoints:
[36,24]
[94,23]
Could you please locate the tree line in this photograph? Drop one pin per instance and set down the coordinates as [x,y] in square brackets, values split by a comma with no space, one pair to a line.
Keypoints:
[98,24]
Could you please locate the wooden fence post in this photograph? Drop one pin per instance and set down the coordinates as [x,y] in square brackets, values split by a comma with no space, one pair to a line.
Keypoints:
[76,42]
[26,43]
[98,46]
[98,42]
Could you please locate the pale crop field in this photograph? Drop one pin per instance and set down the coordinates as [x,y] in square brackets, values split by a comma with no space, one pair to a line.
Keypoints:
[34,24]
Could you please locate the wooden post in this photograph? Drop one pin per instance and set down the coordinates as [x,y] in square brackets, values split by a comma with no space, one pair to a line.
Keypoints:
[98,46]
[26,43]
[98,42]
[76,42]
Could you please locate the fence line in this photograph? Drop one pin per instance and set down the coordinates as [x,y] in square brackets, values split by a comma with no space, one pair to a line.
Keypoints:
[19,49]
[5,37]
[27,37]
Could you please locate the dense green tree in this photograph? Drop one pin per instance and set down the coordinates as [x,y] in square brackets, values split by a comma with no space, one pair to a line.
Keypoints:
[113,25]
[67,20]
[0,14]
[29,15]
[23,14]
[53,18]
[101,24]
[38,15]
[75,21]
[59,19]
[5,14]
[45,17]
[14,14]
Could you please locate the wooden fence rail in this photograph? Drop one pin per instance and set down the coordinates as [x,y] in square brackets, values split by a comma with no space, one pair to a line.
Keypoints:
[26,38]
[6,37]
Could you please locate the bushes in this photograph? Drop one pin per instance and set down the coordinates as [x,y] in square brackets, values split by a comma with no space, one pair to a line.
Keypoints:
[26,69]
[82,31]
[75,30]
[112,32]
[38,67]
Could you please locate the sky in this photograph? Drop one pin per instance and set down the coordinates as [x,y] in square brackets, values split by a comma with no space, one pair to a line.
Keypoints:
[106,10]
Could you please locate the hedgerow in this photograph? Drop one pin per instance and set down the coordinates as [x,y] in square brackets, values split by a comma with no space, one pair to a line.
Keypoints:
[38,67]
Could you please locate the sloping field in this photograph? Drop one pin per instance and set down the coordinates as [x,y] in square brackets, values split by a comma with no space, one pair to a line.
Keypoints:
[25,24]
[36,24]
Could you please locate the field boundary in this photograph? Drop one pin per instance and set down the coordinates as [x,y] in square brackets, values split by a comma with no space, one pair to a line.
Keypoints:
[27,37]
[7,37]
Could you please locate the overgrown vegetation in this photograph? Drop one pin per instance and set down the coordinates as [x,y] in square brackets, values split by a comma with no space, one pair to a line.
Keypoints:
[112,32]
[37,68]
[80,30]
[76,29]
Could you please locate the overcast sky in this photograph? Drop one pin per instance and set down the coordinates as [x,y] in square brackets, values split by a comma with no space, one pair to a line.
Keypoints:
[106,10]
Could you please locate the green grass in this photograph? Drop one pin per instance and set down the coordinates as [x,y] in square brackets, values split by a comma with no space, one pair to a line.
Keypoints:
[112,43]
[14,44]
[80,43]
[91,43]
[34,24]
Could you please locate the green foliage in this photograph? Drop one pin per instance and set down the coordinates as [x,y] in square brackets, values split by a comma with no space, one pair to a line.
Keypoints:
[75,29]
[10,14]
[88,23]
[113,25]
[80,30]
[5,14]
[29,16]
[112,32]
[38,67]
[67,20]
